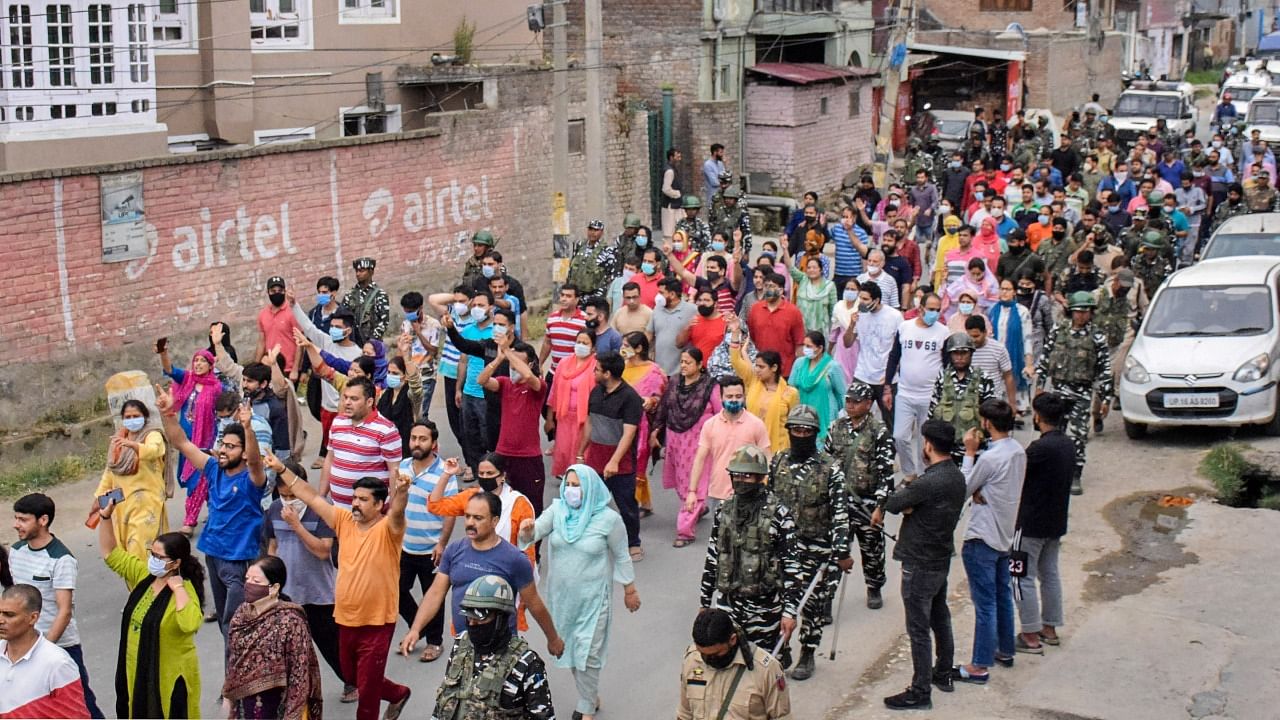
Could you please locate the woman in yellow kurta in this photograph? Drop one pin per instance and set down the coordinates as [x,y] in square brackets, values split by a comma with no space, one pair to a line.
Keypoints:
[157,670]
[135,465]
[769,397]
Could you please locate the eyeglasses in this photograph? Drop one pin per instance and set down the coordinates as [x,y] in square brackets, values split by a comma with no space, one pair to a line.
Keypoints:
[158,557]
[230,446]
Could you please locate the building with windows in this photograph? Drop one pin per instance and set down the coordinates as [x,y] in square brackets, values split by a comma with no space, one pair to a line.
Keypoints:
[188,75]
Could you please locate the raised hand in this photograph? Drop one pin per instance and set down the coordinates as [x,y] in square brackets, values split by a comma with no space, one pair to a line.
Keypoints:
[216,333]
[245,416]
[164,400]
[272,462]
[452,466]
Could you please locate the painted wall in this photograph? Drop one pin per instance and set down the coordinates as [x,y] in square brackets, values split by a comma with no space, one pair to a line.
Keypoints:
[803,149]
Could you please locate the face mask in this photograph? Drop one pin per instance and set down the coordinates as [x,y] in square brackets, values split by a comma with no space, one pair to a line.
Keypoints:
[1017,249]
[322,298]
[1059,234]
[713,277]
[393,381]
[659,302]
[276,299]
[479,314]
[733,407]
[809,352]
[873,270]
[412,316]
[849,296]
[1005,167]
[717,246]
[514,375]
[978,194]
[156,566]
[706,310]
[772,294]
[1100,241]
[1216,143]
[487,484]
[930,317]
[297,505]
[966,308]
[487,270]
[1113,209]
[642,241]
[627,353]
[1121,176]
[459,309]
[491,636]
[572,496]
[678,247]
[647,268]
[803,446]
[337,334]
[1026,291]
[997,212]
[582,350]
[134,424]
[254,592]
[499,331]
[954,164]
[593,325]
[865,307]
[747,490]
[1044,219]
[944,210]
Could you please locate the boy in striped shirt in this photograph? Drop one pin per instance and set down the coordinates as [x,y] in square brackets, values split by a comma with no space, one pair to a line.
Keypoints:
[425,535]
[362,443]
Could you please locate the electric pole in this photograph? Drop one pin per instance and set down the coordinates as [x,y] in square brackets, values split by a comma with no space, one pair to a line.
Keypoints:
[560,246]
[595,113]
[902,34]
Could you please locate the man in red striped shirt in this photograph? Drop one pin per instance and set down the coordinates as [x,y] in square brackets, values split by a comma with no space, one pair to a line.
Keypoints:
[562,327]
[362,443]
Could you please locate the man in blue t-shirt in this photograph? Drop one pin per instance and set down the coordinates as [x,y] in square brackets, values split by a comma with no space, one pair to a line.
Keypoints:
[469,395]
[484,553]
[234,482]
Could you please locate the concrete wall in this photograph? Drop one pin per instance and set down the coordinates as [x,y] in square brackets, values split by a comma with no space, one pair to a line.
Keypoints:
[803,149]
[965,15]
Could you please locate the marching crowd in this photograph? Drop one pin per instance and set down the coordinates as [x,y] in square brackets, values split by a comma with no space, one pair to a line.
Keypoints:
[874,358]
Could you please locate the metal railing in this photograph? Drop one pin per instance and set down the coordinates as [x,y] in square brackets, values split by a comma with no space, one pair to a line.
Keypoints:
[795,6]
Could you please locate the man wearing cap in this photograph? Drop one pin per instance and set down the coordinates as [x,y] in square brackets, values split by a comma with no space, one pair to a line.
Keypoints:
[368,302]
[594,265]
[630,244]
[694,228]
[750,557]
[1131,237]
[1149,264]
[275,328]
[717,199]
[960,389]
[811,481]
[481,243]
[492,672]
[1104,248]
[1119,312]
[864,448]
[1259,195]
[727,216]
[1076,359]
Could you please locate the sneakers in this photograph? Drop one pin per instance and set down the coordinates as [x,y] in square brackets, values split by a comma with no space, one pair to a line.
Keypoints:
[910,700]
[1076,487]
[395,708]
[804,667]
[874,601]
[944,680]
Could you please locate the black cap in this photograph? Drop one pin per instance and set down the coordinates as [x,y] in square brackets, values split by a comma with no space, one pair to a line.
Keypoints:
[275,281]
[364,263]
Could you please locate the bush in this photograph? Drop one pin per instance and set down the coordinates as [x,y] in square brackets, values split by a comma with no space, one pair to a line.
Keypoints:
[1225,467]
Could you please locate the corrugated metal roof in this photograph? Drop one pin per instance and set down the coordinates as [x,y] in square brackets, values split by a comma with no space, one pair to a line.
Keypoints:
[969,51]
[807,73]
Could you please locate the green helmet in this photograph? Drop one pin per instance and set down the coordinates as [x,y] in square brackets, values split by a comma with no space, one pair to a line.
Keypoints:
[691,202]
[483,237]
[958,342]
[749,460]
[913,143]
[631,221]
[803,416]
[1081,300]
[859,391]
[1153,239]
[726,177]
[488,592]
[732,192]
[1155,197]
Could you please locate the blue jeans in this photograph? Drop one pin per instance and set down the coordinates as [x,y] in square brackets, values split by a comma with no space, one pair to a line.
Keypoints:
[226,579]
[428,392]
[992,595]
[77,654]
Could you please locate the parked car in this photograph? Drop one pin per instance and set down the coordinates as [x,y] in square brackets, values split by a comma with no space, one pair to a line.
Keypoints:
[1207,352]
[1244,87]
[1145,102]
[1245,235]
[951,128]
[1264,116]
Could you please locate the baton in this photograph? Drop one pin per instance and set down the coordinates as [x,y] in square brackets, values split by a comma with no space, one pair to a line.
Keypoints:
[835,634]
[862,512]
[804,600]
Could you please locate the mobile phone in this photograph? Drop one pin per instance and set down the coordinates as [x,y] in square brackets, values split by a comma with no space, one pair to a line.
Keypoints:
[406,327]
[162,344]
[117,495]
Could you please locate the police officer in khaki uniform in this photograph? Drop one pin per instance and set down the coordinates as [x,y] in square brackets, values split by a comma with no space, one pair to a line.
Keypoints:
[725,677]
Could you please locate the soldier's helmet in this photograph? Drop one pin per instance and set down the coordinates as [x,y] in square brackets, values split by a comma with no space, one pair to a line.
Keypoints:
[913,143]
[691,202]
[485,593]
[1153,239]
[749,460]
[732,193]
[726,177]
[1154,198]
[632,221]
[958,342]
[803,416]
[1081,300]
[859,391]
[484,237]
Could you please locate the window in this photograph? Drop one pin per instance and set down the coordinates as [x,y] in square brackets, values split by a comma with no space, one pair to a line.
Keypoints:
[1004,5]
[140,106]
[283,136]
[822,106]
[101,60]
[62,61]
[59,112]
[279,23]
[356,11]
[21,59]
[173,24]
[102,108]
[855,102]
[139,60]
[25,112]
[367,121]
[577,136]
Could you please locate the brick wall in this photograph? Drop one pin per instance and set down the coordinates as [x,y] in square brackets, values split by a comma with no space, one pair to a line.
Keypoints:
[788,137]
[964,14]
[219,225]
[715,122]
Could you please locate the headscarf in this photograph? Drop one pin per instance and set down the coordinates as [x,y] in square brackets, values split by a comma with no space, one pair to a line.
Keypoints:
[122,460]
[572,523]
[581,374]
[203,425]
[379,363]
[1013,337]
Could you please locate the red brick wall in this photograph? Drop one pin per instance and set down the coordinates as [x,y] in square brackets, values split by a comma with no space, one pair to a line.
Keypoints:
[964,14]
[804,150]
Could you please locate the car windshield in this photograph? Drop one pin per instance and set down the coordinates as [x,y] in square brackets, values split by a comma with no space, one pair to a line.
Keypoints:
[1137,105]
[1210,311]
[955,128]
[1237,244]
[1241,92]
[1264,113]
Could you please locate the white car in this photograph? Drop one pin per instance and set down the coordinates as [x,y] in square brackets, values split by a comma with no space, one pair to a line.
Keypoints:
[1207,352]
[1145,102]
[1243,88]
[1251,234]
[1264,116]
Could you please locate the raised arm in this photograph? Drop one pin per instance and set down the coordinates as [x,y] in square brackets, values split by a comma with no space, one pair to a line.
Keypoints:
[173,431]
[301,490]
[399,500]
[252,453]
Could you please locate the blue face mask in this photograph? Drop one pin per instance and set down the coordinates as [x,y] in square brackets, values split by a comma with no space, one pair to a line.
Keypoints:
[487,270]
[642,241]
[134,424]
[717,246]
[337,334]
[977,194]
[393,381]
[849,296]
[930,317]
[412,316]
[323,298]
[733,407]
[647,268]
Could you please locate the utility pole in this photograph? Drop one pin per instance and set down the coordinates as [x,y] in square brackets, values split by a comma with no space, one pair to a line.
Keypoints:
[595,112]
[902,34]
[561,249]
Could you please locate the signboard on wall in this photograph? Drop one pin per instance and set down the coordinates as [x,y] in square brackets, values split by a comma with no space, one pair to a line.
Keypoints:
[124,226]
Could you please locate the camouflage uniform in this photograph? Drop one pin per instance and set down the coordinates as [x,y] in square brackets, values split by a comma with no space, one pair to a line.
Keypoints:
[999,141]
[1259,196]
[372,309]
[1152,270]
[1226,210]
[511,684]
[916,159]
[865,454]
[1076,360]
[592,268]
[474,267]
[1117,317]
[725,220]
[1026,152]
[956,399]
[697,231]
[1056,254]
[1072,280]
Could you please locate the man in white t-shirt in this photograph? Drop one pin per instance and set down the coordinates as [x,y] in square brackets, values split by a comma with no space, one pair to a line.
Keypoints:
[914,362]
[991,357]
[875,327]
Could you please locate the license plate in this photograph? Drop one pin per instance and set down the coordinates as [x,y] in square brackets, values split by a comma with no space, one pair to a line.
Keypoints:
[1191,400]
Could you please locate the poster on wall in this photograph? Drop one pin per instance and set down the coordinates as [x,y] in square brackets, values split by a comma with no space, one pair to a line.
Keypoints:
[124,226]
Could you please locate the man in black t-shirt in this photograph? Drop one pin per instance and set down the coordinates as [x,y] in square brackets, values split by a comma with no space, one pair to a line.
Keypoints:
[609,440]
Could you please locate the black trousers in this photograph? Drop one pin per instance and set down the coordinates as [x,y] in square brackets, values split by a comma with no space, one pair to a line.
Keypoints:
[324,632]
[623,490]
[421,569]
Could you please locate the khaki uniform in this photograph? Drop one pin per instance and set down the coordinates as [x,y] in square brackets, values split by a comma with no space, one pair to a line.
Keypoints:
[761,694]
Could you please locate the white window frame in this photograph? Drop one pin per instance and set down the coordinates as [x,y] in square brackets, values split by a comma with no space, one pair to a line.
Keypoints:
[368,12]
[183,18]
[272,17]
[394,119]
[61,18]
[101,51]
[283,136]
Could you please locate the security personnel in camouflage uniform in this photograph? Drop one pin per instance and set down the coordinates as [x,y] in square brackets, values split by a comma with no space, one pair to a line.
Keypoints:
[368,302]
[725,676]
[492,674]
[1258,193]
[695,228]
[1027,150]
[717,199]
[1149,264]
[864,447]
[729,216]
[627,243]
[1235,205]
[1082,276]
[959,390]
[751,558]
[1131,237]
[1119,313]
[915,160]
[1075,358]
[1056,251]
[594,264]
[811,483]
[481,243]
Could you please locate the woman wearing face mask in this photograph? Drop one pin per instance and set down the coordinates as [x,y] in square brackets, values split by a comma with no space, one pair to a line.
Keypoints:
[973,292]
[135,466]
[689,400]
[843,317]
[965,307]
[769,397]
[815,294]
[373,349]
[272,671]
[1010,323]
[646,378]
[402,400]
[157,668]
[588,554]
[570,388]
[195,394]
[819,381]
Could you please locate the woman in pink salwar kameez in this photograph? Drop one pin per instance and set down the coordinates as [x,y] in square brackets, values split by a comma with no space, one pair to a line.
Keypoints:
[570,389]
[690,399]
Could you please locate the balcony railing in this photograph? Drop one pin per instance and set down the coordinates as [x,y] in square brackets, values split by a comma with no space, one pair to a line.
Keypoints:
[795,6]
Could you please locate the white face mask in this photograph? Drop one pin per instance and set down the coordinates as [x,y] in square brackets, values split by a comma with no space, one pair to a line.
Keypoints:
[873,270]
[582,350]
[296,505]
[573,496]
[499,331]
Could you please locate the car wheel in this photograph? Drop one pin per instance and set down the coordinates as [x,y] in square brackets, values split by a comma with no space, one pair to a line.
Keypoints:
[1134,431]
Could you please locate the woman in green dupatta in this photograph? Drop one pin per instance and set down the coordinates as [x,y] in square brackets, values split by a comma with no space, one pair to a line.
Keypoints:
[819,381]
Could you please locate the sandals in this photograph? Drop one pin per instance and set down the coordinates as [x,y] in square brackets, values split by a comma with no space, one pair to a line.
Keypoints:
[1021,645]
[959,673]
[646,512]
[318,464]
[637,554]
[682,542]
[431,654]
[1053,640]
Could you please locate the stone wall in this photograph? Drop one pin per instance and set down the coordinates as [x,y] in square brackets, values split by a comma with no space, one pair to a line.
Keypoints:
[804,149]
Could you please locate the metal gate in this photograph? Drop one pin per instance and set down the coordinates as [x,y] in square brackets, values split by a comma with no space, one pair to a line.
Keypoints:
[657,163]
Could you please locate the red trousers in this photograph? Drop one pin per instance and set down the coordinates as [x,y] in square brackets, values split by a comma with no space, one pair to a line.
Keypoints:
[326,421]
[363,654]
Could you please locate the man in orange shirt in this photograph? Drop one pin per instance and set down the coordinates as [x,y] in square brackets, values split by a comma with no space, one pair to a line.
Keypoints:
[366,601]
[706,331]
